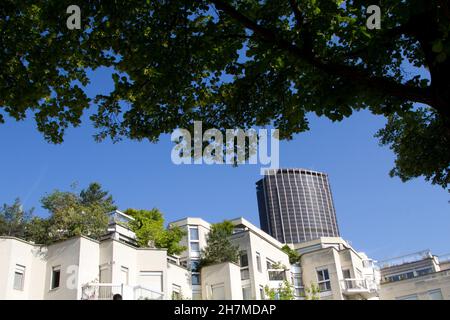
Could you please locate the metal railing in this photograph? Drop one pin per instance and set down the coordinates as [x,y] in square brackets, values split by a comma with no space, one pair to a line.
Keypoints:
[143,293]
[355,284]
[101,291]
[409,258]
[106,291]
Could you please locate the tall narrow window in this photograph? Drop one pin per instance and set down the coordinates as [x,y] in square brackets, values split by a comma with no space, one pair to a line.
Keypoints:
[261,292]
[56,275]
[194,241]
[243,259]
[323,278]
[258,262]
[19,277]
[193,233]
[124,275]
[246,293]
[195,246]
[176,292]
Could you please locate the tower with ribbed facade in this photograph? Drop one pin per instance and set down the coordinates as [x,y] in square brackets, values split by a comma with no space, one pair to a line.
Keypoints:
[296,205]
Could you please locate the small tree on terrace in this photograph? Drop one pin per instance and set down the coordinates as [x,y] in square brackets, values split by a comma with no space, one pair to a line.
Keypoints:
[219,247]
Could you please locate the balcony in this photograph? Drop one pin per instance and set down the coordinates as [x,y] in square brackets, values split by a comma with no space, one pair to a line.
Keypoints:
[363,287]
[106,291]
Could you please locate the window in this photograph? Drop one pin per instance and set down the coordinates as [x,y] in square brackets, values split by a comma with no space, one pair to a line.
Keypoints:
[195,278]
[176,292]
[258,262]
[435,294]
[56,275]
[246,293]
[218,292]
[195,265]
[193,233]
[124,275]
[243,260]
[323,278]
[195,246]
[19,277]
[277,275]
[347,275]
[423,272]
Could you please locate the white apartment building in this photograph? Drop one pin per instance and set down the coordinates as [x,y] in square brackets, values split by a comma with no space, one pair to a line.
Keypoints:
[82,268]
[416,276]
[262,262]
[340,272]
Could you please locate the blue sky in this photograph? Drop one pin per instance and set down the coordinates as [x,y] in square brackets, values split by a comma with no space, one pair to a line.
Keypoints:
[377,214]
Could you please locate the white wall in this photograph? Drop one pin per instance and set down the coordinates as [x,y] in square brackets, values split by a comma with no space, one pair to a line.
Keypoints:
[226,274]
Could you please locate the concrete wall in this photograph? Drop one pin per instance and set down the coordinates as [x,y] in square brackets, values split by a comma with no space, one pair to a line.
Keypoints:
[325,258]
[15,251]
[226,274]
[66,255]
[80,260]
[177,275]
[252,243]
[420,286]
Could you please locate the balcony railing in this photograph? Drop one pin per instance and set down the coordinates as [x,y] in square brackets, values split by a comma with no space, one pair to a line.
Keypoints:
[101,291]
[355,285]
[106,291]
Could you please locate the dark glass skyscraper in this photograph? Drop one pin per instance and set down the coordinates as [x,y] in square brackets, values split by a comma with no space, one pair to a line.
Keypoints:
[296,205]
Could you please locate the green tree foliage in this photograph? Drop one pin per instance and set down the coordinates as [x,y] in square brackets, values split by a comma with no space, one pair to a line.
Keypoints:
[312,292]
[294,257]
[235,64]
[218,245]
[285,291]
[14,220]
[73,214]
[148,225]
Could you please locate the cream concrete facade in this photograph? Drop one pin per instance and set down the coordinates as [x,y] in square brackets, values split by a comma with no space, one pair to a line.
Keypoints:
[263,253]
[416,276]
[219,282]
[82,268]
[337,269]
[434,286]
[89,269]
[259,247]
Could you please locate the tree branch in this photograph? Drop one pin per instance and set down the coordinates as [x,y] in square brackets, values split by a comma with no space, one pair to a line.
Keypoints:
[297,13]
[381,84]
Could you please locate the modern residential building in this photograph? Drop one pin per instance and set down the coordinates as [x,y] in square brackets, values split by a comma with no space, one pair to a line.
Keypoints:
[296,205]
[82,268]
[262,262]
[417,276]
[340,272]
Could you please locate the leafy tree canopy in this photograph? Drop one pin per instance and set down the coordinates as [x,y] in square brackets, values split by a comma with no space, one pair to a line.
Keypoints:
[148,225]
[239,63]
[73,214]
[14,220]
[294,256]
[285,291]
[219,248]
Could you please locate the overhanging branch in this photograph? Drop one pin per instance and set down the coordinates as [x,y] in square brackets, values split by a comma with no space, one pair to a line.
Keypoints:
[381,84]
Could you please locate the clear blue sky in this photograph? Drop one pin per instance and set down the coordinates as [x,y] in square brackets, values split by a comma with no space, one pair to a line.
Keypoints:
[378,214]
